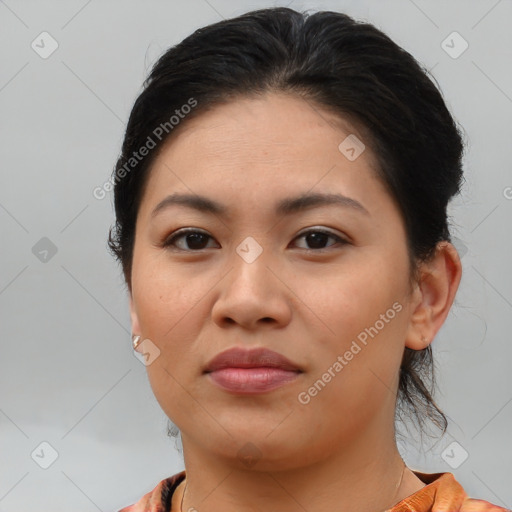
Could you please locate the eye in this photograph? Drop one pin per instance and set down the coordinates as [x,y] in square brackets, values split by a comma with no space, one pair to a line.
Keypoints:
[318,237]
[193,240]
[192,237]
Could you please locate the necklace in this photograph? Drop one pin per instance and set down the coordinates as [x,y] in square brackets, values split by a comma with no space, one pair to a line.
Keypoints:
[399,483]
[396,488]
[183,497]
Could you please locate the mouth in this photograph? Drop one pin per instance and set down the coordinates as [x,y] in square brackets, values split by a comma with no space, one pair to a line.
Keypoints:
[245,371]
[252,380]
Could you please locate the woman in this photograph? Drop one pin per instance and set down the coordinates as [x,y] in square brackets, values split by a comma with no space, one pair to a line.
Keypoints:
[281,223]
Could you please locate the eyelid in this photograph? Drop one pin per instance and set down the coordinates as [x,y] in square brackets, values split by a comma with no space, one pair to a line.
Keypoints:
[321,229]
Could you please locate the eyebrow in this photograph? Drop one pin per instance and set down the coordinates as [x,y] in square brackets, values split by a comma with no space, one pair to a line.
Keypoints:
[286,206]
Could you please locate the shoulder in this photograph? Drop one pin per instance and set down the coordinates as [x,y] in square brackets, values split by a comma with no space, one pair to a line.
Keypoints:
[452,496]
[476,505]
[443,493]
[158,499]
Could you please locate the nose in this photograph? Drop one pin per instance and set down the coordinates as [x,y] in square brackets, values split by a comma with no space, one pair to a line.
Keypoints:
[253,295]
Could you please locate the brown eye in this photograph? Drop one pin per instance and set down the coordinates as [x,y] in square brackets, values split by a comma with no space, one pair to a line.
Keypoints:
[189,240]
[317,239]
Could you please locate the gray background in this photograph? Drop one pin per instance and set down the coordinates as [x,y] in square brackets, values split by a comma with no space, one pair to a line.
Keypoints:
[68,376]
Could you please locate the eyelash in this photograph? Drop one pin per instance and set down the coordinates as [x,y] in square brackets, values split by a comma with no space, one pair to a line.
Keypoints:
[170,241]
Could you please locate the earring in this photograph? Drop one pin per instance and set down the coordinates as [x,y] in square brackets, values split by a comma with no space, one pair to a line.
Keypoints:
[424,339]
[136,342]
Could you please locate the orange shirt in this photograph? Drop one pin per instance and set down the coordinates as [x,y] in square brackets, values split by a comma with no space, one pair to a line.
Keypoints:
[442,493]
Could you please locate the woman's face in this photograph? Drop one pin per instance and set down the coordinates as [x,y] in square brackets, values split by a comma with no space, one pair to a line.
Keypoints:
[336,305]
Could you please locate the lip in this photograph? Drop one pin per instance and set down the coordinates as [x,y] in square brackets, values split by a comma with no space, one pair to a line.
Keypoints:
[250,371]
[261,357]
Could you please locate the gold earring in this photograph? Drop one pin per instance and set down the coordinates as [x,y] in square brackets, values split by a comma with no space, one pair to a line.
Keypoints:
[424,339]
[136,342]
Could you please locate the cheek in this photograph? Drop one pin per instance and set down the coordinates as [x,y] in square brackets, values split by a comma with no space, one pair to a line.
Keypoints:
[352,299]
[173,317]
[171,314]
[355,377]
[165,295]
[365,311]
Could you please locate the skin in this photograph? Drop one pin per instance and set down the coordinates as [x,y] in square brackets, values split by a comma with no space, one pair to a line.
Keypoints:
[338,451]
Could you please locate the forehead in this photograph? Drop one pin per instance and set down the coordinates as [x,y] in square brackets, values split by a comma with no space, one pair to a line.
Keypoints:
[276,120]
[262,147]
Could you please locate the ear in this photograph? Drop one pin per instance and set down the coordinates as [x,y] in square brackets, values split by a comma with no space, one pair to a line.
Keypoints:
[134,318]
[433,295]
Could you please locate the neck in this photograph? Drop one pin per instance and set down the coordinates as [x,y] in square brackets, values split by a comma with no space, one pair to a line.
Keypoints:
[361,476]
